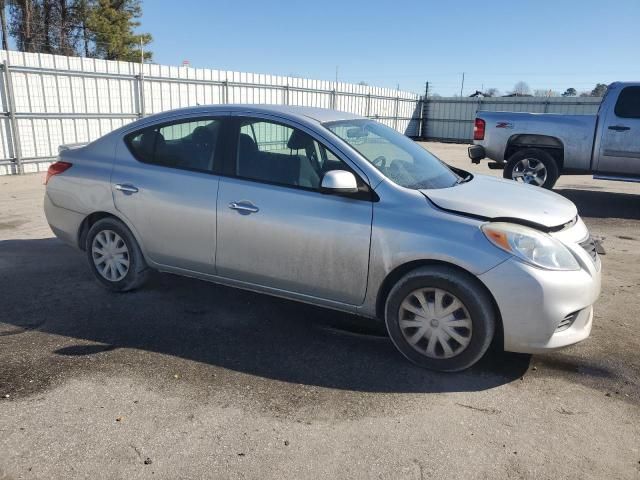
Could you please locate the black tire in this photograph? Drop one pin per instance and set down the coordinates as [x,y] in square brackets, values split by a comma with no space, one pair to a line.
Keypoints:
[473,297]
[536,155]
[138,270]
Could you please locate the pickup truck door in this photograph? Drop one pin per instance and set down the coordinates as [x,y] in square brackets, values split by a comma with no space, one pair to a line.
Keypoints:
[620,138]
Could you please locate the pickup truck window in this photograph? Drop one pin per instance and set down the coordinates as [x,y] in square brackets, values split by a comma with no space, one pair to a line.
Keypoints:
[628,104]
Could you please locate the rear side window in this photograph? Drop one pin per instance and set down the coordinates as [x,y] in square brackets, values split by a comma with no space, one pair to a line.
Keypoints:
[188,145]
[628,104]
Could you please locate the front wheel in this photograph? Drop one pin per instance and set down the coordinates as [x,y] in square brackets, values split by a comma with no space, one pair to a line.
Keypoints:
[532,166]
[440,318]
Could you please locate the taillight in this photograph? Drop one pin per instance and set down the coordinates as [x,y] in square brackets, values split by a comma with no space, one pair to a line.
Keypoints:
[478,129]
[56,169]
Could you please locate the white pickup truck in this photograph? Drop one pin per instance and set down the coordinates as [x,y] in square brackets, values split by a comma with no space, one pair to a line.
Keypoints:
[536,148]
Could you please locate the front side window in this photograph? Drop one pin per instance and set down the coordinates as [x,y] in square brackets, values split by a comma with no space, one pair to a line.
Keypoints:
[276,153]
[628,104]
[184,144]
[398,158]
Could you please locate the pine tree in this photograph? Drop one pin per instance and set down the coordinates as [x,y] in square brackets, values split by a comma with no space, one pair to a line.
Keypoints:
[93,28]
[111,24]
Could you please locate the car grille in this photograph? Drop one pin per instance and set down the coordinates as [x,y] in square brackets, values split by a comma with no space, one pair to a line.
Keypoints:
[567,321]
[590,246]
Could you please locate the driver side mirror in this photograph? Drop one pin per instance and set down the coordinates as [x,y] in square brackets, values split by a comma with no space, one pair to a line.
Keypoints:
[339,182]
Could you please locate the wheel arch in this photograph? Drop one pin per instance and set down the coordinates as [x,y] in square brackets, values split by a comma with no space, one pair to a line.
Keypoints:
[94,217]
[552,145]
[401,270]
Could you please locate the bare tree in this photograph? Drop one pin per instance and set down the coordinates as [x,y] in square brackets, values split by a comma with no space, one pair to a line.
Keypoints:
[66,25]
[545,93]
[3,22]
[521,88]
[81,11]
[47,27]
[25,16]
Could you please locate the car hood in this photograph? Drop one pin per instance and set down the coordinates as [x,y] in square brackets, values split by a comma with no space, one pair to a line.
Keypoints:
[497,199]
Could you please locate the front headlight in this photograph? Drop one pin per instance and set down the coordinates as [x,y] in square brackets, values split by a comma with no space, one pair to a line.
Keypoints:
[531,246]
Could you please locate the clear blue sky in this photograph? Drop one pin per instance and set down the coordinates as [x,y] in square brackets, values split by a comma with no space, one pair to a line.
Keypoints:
[549,44]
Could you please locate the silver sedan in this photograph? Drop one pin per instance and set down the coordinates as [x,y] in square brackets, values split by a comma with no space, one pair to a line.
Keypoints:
[335,210]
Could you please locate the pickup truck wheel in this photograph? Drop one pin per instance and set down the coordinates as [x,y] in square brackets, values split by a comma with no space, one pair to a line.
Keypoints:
[440,318]
[533,166]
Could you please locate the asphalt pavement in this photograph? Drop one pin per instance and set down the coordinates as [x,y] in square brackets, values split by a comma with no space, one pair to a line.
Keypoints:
[187,379]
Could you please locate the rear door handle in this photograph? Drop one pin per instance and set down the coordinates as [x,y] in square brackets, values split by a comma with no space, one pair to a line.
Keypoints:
[619,128]
[244,207]
[126,188]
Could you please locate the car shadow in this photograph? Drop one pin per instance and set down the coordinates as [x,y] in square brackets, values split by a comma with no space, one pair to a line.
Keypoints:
[49,288]
[599,204]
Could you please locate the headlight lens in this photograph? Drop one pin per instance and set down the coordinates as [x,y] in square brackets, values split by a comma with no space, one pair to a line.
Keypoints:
[531,246]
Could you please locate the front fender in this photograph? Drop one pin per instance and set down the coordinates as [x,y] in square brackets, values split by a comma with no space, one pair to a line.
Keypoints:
[403,236]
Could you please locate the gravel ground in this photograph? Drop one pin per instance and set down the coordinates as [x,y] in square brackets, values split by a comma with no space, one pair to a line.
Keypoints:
[185,379]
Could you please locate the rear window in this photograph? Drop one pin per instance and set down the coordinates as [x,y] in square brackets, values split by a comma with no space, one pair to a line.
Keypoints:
[188,145]
[628,104]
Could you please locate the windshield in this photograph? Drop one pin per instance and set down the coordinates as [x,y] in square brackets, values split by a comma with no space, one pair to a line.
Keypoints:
[399,158]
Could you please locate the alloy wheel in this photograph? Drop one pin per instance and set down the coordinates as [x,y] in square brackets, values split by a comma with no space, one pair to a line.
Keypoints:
[531,171]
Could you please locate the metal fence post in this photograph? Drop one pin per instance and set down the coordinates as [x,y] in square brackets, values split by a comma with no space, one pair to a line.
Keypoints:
[141,90]
[423,112]
[286,94]
[11,105]
[226,91]
[368,112]
[140,81]
[334,94]
[419,131]
[395,116]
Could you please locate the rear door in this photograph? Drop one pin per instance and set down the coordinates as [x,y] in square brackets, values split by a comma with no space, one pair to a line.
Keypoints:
[275,227]
[164,184]
[620,143]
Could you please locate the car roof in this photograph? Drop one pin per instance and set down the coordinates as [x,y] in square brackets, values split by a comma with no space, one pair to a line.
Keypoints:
[294,112]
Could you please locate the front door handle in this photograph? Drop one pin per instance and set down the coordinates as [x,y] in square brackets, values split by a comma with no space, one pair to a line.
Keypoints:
[125,188]
[244,208]
[619,128]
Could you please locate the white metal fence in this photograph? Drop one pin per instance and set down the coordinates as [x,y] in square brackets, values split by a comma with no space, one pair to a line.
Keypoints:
[49,100]
[451,119]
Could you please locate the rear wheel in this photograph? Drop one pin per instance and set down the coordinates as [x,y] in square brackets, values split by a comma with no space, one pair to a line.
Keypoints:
[532,166]
[440,318]
[114,256]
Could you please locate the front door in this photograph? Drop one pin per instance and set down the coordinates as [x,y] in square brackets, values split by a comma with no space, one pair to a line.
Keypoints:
[620,145]
[163,183]
[275,227]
